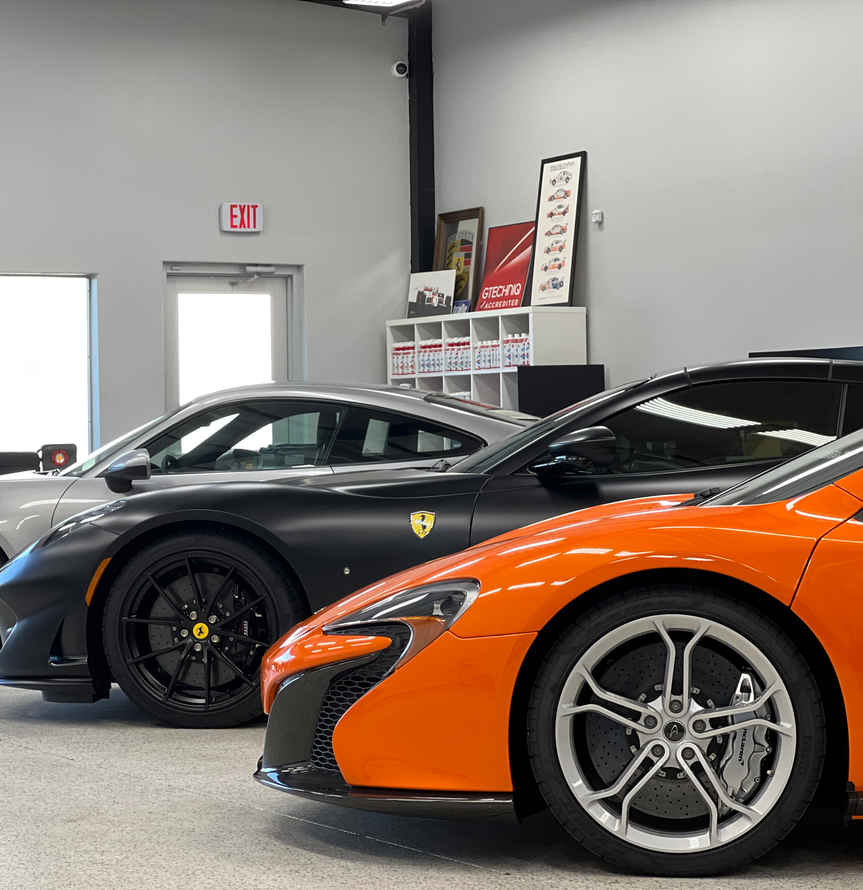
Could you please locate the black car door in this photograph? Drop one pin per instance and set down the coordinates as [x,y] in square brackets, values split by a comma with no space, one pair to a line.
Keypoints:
[712,435]
[363,527]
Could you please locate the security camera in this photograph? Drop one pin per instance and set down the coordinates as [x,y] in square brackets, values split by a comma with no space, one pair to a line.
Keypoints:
[399,69]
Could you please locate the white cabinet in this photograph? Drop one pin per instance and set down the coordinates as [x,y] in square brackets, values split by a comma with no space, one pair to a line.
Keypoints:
[477,355]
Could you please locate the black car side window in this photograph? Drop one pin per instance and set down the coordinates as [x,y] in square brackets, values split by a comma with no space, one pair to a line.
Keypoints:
[368,436]
[853,419]
[716,424]
[719,424]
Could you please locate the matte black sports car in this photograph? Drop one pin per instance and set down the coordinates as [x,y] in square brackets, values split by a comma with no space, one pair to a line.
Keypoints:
[177,594]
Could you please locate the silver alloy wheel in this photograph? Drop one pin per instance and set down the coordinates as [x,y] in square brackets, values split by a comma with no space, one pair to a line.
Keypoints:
[665,738]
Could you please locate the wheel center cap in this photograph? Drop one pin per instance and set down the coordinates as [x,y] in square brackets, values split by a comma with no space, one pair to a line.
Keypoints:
[674,732]
[201,631]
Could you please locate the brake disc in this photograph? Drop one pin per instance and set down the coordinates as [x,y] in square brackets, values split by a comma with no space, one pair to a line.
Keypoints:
[638,674]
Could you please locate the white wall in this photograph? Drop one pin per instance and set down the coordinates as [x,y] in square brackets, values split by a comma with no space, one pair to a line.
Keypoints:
[124,124]
[725,147]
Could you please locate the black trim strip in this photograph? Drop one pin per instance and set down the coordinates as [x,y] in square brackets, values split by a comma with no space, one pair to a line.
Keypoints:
[305,781]
[855,804]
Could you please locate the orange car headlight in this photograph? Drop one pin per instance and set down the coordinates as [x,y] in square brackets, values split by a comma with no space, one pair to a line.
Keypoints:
[419,615]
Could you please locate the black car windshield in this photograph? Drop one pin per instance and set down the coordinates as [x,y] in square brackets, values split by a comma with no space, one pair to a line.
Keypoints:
[797,477]
[112,448]
[487,458]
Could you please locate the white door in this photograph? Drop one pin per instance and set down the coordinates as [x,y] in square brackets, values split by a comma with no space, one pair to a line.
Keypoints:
[223,331]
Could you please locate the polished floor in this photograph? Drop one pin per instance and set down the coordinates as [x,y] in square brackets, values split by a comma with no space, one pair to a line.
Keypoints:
[99,796]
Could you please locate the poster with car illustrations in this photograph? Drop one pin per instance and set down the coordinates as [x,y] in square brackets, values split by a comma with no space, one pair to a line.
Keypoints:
[557,216]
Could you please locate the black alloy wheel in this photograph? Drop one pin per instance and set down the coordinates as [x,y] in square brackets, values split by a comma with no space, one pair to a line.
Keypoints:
[187,623]
[676,731]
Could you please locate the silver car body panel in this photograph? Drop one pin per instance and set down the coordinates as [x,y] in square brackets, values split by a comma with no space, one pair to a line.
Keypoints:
[30,502]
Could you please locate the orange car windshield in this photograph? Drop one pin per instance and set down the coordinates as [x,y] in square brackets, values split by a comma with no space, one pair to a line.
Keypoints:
[815,469]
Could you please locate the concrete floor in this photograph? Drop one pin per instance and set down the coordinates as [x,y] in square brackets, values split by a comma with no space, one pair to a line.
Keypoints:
[99,796]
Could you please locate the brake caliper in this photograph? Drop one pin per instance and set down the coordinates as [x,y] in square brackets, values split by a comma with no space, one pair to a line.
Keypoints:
[740,766]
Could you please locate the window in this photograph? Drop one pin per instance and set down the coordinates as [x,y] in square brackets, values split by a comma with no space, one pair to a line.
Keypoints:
[721,424]
[853,420]
[261,435]
[367,435]
[716,424]
[225,340]
[44,361]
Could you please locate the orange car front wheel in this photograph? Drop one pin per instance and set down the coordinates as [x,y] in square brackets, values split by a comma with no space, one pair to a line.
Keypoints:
[676,731]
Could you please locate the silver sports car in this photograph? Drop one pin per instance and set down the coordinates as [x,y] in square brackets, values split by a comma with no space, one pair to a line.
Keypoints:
[256,432]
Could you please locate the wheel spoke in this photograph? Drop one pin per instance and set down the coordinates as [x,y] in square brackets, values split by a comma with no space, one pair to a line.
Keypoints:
[623,826]
[169,598]
[242,611]
[717,785]
[208,609]
[753,707]
[231,635]
[196,591]
[612,697]
[713,832]
[687,664]
[233,667]
[139,658]
[565,711]
[169,691]
[626,776]
[162,622]
[206,678]
[671,666]
[780,728]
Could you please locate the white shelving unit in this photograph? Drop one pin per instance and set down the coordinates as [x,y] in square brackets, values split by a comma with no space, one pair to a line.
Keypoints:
[557,335]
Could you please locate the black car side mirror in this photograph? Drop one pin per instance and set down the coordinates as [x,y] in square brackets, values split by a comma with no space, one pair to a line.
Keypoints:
[131,466]
[595,444]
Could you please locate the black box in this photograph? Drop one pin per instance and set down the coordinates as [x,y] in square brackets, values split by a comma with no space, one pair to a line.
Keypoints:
[544,389]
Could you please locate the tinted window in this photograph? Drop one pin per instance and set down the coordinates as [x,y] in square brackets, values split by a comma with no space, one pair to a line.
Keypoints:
[560,421]
[265,435]
[724,423]
[809,472]
[717,424]
[853,419]
[367,435]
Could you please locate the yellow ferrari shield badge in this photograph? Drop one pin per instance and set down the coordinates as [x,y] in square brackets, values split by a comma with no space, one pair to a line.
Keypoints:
[422,523]
[201,631]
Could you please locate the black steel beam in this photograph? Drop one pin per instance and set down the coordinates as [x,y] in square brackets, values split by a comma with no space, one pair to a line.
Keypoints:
[422,138]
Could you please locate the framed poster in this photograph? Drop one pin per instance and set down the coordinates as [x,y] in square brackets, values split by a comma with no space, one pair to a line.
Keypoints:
[431,293]
[457,247]
[507,262]
[558,211]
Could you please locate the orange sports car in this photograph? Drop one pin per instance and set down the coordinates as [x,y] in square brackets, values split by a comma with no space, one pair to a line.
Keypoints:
[674,677]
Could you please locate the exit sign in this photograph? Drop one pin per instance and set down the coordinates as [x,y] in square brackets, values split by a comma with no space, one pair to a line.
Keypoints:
[241,217]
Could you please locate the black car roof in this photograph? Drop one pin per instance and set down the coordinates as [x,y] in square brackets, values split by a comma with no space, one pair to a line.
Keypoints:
[798,368]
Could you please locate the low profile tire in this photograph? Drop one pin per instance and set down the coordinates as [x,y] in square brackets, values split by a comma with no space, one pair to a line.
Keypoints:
[676,731]
[187,623]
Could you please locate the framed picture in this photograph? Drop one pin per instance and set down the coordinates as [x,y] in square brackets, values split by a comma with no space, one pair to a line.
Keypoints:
[507,262]
[431,293]
[457,247]
[558,211]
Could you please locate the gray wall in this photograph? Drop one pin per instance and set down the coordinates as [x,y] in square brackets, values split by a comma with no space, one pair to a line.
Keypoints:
[725,147]
[124,124]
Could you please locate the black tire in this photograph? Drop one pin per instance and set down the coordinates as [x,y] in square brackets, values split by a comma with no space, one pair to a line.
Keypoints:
[665,811]
[209,677]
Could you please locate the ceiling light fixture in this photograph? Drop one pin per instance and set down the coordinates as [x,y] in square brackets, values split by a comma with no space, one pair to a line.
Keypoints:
[385,7]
